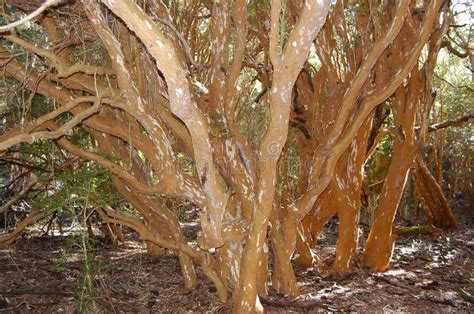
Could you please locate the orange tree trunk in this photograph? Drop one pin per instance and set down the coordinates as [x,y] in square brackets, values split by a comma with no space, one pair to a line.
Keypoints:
[433,197]
[286,67]
[349,205]
[381,239]
[312,225]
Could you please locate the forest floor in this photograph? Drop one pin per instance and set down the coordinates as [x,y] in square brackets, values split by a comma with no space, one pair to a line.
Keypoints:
[48,275]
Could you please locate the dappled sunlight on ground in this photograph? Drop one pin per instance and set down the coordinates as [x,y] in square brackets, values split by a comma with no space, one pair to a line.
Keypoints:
[47,274]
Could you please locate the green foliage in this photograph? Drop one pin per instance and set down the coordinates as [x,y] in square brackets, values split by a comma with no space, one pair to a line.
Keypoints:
[253,115]
[80,192]
[454,85]
[90,270]
[95,53]
[187,164]
[358,8]
[19,107]
[377,166]
[255,7]
[4,174]
[71,189]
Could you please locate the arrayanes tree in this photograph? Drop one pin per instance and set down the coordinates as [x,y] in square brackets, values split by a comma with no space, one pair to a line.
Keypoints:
[236,89]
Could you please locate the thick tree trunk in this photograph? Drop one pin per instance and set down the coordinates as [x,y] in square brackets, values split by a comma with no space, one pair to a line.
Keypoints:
[313,224]
[350,186]
[283,276]
[433,197]
[348,234]
[380,241]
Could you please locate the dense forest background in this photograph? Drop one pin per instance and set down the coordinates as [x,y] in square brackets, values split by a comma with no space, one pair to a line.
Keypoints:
[234,138]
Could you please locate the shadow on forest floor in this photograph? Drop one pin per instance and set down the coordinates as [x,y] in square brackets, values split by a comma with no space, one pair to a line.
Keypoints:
[47,274]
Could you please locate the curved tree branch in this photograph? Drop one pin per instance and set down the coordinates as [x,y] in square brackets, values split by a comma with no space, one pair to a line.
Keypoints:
[27,137]
[7,239]
[29,17]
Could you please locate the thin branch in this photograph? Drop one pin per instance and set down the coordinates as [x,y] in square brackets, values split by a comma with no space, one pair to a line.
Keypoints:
[139,187]
[206,260]
[64,70]
[454,122]
[20,195]
[379,137]
[35,180]
[452,85]
[72,42]
[182,40]
[22,163]
[29,17]
[26,136]
[447,44]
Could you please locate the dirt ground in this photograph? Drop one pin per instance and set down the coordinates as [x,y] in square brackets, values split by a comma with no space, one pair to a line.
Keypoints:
[48,275]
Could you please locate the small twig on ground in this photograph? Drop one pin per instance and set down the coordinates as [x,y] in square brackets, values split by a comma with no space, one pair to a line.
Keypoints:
[445,302]
[27,291]
[13,307]
[396,284]
[465,296]
[107,294]
[340,277]
[300,303]
[16,265]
